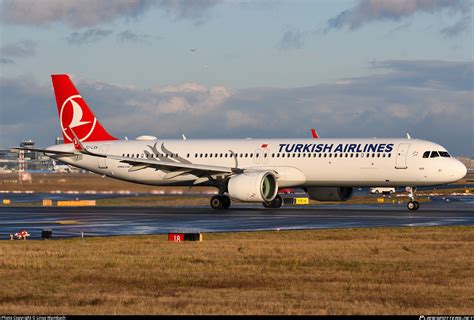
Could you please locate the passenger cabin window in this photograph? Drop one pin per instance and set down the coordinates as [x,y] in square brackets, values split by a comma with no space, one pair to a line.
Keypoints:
[434,154]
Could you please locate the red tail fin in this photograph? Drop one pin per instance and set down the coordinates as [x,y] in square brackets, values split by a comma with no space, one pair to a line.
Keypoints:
[74,113]
[314,133]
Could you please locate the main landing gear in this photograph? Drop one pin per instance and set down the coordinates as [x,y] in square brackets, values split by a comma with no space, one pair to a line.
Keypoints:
[275,203]
[412,205]
[220,201]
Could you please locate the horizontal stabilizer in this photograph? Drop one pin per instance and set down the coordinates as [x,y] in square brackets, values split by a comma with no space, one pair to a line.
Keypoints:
[46,151]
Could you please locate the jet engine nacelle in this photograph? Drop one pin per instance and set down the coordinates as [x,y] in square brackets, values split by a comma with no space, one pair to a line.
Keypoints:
[254,186]
[330,193]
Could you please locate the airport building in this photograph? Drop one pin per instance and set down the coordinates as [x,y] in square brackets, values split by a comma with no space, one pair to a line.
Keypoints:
[30,161]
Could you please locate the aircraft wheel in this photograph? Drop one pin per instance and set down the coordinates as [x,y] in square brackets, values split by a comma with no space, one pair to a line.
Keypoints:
[275,203]
[227,202]
[268,204]
[217,202]
[220,202]
[417,205]
[413,205]
[278,201]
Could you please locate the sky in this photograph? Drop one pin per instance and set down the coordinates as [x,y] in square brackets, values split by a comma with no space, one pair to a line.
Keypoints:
[238,69]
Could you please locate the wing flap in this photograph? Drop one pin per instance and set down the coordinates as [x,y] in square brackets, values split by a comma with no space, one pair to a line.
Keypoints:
[178,167]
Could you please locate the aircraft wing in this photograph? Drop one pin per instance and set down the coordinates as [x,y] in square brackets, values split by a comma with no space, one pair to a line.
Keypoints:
[175,168]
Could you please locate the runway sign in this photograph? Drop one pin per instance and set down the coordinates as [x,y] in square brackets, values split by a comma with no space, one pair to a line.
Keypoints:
[301,201]
[179,237]
[295,201]
[176,237]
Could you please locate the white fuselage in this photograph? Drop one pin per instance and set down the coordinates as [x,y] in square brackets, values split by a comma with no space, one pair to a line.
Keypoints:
[297,162]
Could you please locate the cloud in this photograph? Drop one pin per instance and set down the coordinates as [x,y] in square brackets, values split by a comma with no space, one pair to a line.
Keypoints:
[460,26]
[6,61]
[366,11]
[191,10]
[130,36]
[88,36]
[89,13]
[20,49]
[429,99]
[292,39]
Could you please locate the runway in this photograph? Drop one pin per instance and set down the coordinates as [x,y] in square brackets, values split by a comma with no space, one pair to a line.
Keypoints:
[106,221]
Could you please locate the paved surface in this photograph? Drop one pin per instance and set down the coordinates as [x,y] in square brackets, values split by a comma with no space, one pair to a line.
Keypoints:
[103,221]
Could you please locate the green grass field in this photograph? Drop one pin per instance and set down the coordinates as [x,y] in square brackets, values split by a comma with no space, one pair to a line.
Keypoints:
[350,271]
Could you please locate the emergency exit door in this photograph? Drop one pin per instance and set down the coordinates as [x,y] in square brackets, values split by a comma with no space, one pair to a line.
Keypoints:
[103,161]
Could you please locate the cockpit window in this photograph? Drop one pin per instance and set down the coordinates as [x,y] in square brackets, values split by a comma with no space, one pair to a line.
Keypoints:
[434,154]
[444,154]
[426,154]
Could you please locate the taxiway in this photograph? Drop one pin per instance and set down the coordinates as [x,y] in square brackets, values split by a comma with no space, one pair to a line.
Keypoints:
[106,221]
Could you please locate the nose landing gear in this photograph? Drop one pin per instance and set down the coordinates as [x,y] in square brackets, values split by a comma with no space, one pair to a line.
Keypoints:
[412,205]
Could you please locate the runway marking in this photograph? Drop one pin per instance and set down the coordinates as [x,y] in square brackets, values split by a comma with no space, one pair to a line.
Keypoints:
[67,222]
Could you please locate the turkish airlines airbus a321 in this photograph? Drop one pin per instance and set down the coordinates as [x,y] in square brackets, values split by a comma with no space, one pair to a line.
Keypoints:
[248,170]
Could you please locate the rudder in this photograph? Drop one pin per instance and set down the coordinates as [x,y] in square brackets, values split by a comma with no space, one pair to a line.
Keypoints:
[75,114]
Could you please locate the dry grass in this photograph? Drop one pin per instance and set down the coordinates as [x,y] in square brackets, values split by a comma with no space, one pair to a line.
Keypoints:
[359,271]
[82,182]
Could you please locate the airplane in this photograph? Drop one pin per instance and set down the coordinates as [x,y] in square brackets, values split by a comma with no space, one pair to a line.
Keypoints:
[248,170]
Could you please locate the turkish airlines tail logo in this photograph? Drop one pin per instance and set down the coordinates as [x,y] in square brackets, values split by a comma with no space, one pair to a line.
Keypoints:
[75,114]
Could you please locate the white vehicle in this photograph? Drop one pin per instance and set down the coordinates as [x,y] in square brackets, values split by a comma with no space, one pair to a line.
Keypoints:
[248,170]
[382,190]
[61,168]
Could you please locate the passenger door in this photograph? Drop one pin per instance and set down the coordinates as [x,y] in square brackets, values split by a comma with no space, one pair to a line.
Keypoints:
[102,162]
[401,158]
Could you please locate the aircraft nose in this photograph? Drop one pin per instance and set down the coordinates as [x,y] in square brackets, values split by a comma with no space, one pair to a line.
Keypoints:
[459,170]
